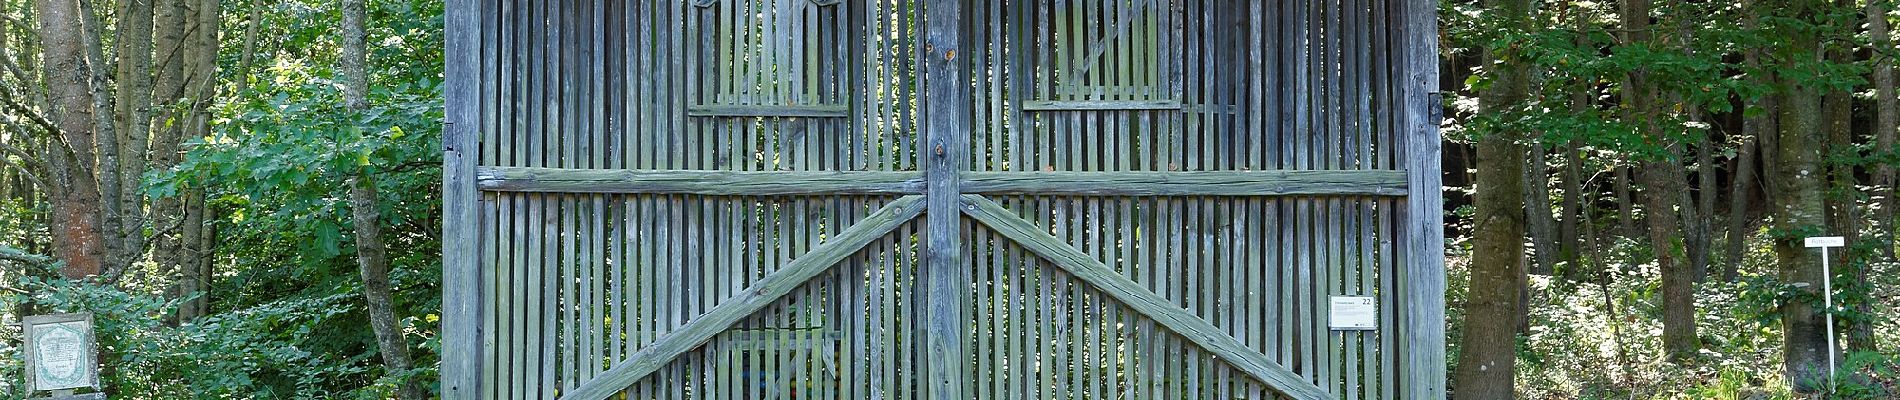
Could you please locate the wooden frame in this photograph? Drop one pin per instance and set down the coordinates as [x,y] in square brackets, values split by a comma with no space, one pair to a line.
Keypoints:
[951,193]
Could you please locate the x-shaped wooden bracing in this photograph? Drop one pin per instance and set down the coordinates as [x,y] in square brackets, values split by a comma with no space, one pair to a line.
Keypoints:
[1078,264]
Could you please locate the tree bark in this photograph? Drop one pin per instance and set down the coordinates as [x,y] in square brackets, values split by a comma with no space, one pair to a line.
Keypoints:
[371,254]
[1661,180]
[134,113]
[77,236]
[1487,357]
[1739,192]
[1625,204]
[248,55]
[121,232]
[1757,127]
[174,53]
[1540,222]
[1799,206]
[1886,123]
[1568,238]
[202,65]
[1701,249]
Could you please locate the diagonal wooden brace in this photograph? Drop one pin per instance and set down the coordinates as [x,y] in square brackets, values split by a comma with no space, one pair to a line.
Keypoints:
[1142,300]
[760,294]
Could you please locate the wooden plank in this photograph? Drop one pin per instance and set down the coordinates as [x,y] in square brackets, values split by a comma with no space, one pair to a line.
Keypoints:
[1423,285]
[946,127]
[1191,183]
[1100,105]
[759,110]
[743,304]
[1133,295]
[461,268]
[718,183]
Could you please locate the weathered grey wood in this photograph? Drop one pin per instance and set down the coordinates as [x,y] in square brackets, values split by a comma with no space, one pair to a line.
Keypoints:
[462,294]
[724,183]
[747,110]
[1192,183]
[1233,159]
[946,124]
[1119,183]
[742,304]
[1162,310]
[1100,105]
[1423,274]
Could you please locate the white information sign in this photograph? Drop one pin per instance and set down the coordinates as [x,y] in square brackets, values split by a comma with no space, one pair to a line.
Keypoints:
[1354,313]
[1826,241]
[59,352]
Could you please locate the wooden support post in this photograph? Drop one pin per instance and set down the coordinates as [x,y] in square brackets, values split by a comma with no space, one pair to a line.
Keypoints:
[947,127]
[461,274]
[1423,274]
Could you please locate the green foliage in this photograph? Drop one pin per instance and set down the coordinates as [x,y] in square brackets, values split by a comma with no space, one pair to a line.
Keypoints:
[1572,348]
[281,349]
[287,317]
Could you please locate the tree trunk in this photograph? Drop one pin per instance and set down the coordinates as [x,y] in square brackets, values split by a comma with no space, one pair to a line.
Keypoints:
[77,236]
[1739,192]
[1625,204]
[1543,232]
[1757,128]
[122,246]
[1887,121]
[1799,206]
[134,113]
[174,49]
[1661,180]
[201,66]
[1569,240]
[1487,357]
[1678,276]
[248,56]
[371,254]
[1696,205]
[1702,248]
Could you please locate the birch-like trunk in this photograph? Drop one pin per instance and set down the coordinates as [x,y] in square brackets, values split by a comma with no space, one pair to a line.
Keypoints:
[371,253]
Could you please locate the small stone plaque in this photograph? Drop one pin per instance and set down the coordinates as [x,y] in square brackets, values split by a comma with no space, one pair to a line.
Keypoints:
[1354,313]
[59,352]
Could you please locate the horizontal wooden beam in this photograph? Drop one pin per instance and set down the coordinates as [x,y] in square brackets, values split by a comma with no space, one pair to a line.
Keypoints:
[717,183]
[1100,105]
[737,110]
[1139,298]
[1191,183]
[794,183]
[742,304]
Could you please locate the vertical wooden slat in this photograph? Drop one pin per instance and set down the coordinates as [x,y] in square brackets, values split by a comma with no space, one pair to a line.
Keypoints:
[462,264]
[947,128]
[1424,272]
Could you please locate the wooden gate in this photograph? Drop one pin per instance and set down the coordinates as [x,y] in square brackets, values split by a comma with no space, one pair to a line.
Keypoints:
[940,199]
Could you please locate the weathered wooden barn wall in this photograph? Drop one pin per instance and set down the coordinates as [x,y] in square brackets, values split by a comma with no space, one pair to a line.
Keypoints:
[941,199]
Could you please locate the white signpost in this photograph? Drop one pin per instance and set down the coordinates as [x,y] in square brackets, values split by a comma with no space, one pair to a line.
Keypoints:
[1827,293]
[59,353]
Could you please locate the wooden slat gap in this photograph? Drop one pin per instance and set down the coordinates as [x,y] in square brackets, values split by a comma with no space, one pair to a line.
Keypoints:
[742,304]
[1163,311]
